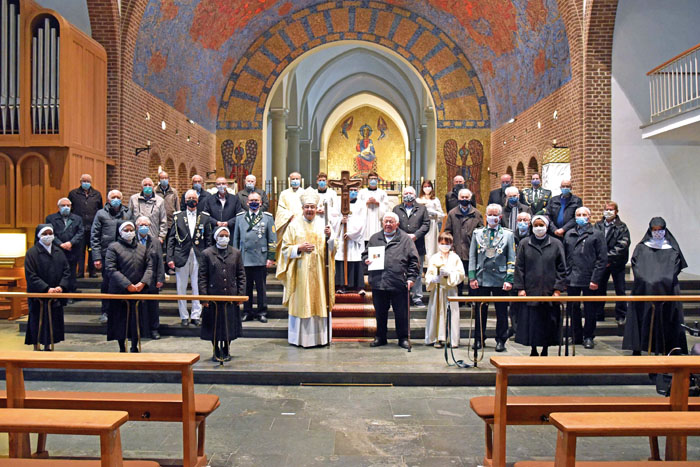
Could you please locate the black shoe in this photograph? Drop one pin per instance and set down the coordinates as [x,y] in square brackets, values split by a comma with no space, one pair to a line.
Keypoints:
[245,316]
[103,318]
[510,333]
[197,322]
[404,344]
[588,343]
[621,321]
[185,322]
[155,335]
[134,349]
[500,347]
[544,353]
[377,342]
[477,344]
[262,318]
[417,302]
[533,352]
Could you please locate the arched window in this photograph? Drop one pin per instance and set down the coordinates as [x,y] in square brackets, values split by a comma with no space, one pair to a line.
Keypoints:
[154,164]
[532,167]
[32,180]
[509,171]
[7,191]
[182,180]
[519,175]
[193,172]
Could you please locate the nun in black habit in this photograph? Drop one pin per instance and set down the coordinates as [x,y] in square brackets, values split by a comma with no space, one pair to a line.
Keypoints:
[46,270]
[656,263]
[221,272]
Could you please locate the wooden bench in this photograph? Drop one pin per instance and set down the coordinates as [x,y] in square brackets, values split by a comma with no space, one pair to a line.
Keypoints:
[535,410]
[15,362]
[140,406]
[613,464]
[572,426]
[679,366]
[103,423]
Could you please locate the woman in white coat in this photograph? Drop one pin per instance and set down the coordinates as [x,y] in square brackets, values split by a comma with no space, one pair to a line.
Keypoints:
[445,272]
[432,204]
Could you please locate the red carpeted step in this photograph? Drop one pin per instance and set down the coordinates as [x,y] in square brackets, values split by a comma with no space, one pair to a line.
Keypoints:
[349,298]
[353,310]
[354,327]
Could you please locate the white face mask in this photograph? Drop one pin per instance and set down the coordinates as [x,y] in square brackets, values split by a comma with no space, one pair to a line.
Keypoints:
[608,214]
[492,220]
[128,236]
[222,242]
[539,231]
[427,190]
[47,239]
[445,248]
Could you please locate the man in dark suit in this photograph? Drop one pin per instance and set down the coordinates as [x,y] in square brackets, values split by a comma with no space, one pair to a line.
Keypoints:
[513,207]
[202,194]
[498,196]
[536,197]
[415,221]
[68,235]
[189,235]
[223,206]
[561,210]
[250,187]
[86,201]
[452,198]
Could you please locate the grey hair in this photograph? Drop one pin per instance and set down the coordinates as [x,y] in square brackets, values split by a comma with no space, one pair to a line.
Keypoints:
[392,215]
[145,180]
[466,191]
[498,207]
[584,208]
[143,218]
[113,192]
[190,191]
[529,216]
[410,189]
[512,190]
[64,199]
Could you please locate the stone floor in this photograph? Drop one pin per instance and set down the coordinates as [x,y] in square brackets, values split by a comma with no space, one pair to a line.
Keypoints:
[275,425]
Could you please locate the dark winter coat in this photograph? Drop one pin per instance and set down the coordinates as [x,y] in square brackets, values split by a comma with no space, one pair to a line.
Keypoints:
[155,249]
[505,219]
[223,213]
[618,242]
[540,267]
[586,256]
[461,226]
[243,199]
[126,264]
[452,200]
[400,261]
[72,232]
[179,242]
[418,223]
[498,196]
[85,204]
[104,229]
[201,202]
[552,211]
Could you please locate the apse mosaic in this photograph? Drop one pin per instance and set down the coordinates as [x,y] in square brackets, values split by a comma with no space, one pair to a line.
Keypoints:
[187,51]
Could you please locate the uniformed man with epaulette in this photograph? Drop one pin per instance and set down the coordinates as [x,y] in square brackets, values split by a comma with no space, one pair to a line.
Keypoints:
[188,237]
[536,197]
[254,235]
[491,271]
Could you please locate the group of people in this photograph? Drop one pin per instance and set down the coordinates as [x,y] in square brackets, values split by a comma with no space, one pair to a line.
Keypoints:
[221,243]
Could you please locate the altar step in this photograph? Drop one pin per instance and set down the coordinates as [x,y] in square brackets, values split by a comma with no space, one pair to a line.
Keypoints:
[353,316]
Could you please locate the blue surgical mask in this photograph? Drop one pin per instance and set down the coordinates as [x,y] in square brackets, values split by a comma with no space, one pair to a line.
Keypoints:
[115,202]
[254,205]
[143,230]
[536,183]
[322,184]
[658,234]
[373,182]
[512,201]
[250,186]
[222,242]
[295,183]
[221,188]
[565,191]
[64,210]
[353,195]
[85,185]
[148,190]
[505,184]
[164,183]
[196,186]
[523,226]
[46,239]
[581,220]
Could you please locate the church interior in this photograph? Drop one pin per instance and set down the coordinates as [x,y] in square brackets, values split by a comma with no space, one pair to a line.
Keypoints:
[603,93]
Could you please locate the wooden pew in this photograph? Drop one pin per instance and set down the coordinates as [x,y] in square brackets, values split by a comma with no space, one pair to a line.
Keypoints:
[679,366]
[535,410]
[143,407]
[571,426]
[103,423]
[15,362]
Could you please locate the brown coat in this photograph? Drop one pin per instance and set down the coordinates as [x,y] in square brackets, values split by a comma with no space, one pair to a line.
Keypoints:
[461,226]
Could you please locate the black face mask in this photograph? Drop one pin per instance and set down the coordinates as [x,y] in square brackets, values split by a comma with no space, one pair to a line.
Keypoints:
[191,203]
[464,202]
[458,187]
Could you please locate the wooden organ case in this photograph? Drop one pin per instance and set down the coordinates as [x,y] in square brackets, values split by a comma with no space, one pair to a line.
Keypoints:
[53,113]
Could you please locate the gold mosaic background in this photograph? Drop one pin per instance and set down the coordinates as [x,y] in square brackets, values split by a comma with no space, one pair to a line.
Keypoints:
[462,137]
[240,136]
[390,150]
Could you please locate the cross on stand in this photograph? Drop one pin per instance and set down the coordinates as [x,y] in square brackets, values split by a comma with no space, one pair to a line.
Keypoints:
[345,183]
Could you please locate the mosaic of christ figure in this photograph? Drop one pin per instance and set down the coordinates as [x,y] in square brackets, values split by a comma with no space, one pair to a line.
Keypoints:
[366,159]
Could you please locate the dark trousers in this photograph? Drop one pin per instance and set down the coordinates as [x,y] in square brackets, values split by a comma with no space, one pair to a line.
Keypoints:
[72,264]
[104,288]
[80,250]
[501,313]
[255,275]
[465,283]
[397,299]
[618,277]
[151,313]
[587,331]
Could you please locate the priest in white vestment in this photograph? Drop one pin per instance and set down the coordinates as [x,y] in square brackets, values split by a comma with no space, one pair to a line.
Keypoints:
[355,232]
[376,202]
[288,208]
[326,196]
[301,268]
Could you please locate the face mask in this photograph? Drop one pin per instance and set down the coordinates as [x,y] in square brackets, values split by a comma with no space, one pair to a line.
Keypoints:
[353,195]
[536,183]
[539,231]
[250,186]
[512,201]
[373,183]
[522,226]
[254,205]
[46,239]
[581,221]
[295,183]
[505,184]
[492,220]
[148,190]
[128,236]
[221,188]
[164,183]
[115,202]
[608,214]
[427,190]
[565,191]
[464,202]
[322,184]
[409,198]
[389,234]
[143,230]
[85,185]
[458,186]
[64,210]
[196,186]
[222,242]
[191,203]
[658,234]
[445,248]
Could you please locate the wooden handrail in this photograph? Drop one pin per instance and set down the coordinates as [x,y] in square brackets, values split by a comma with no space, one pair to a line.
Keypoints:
[139,297]
[692,49]
[574,298]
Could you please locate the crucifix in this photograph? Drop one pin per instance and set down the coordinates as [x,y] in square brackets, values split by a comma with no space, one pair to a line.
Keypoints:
[345,184]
